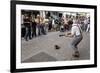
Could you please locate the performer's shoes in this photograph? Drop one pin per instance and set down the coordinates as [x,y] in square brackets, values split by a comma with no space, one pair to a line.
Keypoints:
[76,54]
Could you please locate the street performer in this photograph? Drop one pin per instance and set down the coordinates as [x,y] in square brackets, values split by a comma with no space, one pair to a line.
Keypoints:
[76,33]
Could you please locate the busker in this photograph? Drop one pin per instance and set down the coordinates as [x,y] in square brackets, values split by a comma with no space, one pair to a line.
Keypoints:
[76,33]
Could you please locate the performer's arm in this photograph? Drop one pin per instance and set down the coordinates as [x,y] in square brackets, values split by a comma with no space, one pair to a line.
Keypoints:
[69,34]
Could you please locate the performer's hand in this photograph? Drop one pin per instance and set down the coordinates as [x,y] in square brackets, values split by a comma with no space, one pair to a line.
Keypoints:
[68,34]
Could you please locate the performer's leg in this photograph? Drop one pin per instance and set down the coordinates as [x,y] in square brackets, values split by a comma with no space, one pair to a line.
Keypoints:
[74,44]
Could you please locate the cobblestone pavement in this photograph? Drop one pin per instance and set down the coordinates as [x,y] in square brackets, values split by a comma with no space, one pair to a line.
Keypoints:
[42,49]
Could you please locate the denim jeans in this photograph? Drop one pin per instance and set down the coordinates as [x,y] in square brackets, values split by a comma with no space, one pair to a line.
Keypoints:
[28,33]
[39,29]
[76,40]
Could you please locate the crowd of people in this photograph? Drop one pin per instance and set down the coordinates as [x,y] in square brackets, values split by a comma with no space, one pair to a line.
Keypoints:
[33,26]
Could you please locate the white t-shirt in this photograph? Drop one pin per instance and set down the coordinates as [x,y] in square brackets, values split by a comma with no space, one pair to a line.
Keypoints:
[75,30]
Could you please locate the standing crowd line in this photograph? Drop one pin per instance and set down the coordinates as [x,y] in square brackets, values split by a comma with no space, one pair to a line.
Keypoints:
[36,26]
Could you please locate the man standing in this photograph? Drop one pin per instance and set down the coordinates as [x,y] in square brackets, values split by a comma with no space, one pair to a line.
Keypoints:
[42,26]
[34,28]
[50,24]
[76,33]
[27,27]
[37,20]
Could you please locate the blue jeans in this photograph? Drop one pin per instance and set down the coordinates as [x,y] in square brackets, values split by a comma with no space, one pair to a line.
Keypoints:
[39,29]
[28,33]
[76,40]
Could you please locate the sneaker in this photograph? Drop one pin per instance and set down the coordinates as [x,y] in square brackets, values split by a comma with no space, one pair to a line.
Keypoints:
[76,54]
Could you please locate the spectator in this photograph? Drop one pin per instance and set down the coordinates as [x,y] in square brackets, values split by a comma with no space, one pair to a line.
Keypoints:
[27,27]
[37,20]
[50,24]
[42,22]
[34,28]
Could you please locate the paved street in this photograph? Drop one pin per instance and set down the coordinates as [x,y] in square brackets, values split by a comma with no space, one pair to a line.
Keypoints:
[41,49]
